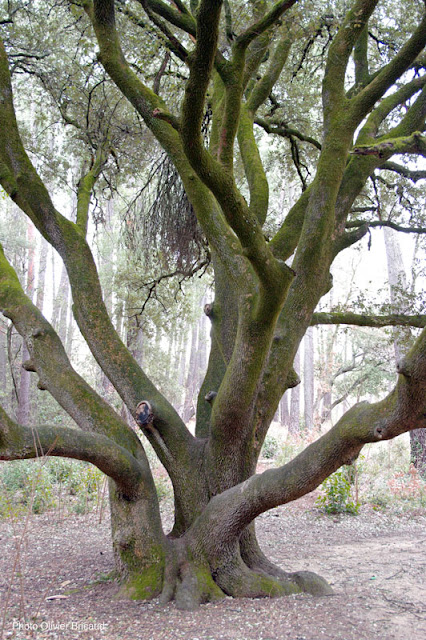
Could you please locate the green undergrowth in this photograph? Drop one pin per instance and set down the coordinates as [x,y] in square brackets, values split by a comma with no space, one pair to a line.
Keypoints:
[389,481]
[45,484]
[62,485]
[337,494]
[382,478]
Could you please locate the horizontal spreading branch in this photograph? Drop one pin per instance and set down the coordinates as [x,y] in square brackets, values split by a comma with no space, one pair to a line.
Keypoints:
[411,174]
[280,128]
[360,320]
[18,442]
[415,143]
[49,360]
[384,223]
[404,409]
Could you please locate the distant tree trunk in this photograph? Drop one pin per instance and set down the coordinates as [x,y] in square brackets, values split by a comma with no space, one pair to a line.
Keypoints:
[134,340]
[326,405]
[181,369]
[24,395]
[70,328]
[403,337]
[326,340]
[284,411]
[60,303]
[398,286]
[202,347]
[118,318]
[41,275]
[308,379]
[3,362]
[191,379]
[63,316]
[171,346]
[294,425]
[418,450]
[106,262]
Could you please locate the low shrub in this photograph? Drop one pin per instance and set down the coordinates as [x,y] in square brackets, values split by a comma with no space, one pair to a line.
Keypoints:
[337,494]
[46,483]
[270,448]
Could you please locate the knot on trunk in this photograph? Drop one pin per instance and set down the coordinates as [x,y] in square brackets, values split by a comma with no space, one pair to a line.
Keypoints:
[29,365]
[210,396]
[144,415]
[208,309]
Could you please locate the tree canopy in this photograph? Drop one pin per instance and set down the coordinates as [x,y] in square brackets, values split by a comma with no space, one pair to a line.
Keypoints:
[212,84]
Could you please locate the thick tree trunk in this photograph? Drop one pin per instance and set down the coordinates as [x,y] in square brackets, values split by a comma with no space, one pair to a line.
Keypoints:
[284,411]
[140,548]
[41,274]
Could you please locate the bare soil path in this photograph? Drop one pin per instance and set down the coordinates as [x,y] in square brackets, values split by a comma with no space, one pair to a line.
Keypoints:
[376,563]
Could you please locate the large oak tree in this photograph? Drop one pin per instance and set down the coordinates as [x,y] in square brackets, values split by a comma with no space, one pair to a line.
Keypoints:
[266,290]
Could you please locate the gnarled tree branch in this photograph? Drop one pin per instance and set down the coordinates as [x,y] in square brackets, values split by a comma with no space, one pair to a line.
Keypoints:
[404,409]
[18,442]
[364,320]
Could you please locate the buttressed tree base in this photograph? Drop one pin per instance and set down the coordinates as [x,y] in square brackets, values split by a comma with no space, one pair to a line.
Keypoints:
[266,290]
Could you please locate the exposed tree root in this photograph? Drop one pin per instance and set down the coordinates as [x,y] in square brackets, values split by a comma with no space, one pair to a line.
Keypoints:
[238,580]
[189,583]
[255,559]
[310,582]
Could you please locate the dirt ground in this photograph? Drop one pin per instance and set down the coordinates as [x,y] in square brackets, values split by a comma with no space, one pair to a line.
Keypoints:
[376,563]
